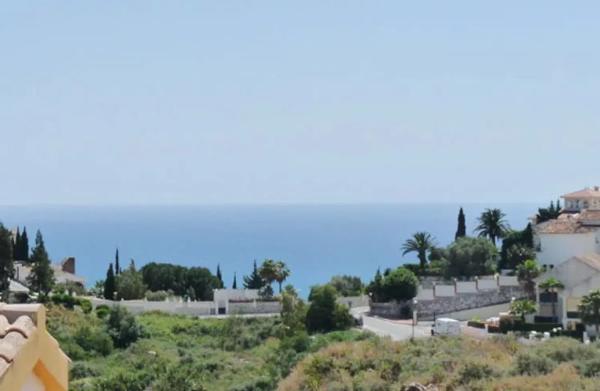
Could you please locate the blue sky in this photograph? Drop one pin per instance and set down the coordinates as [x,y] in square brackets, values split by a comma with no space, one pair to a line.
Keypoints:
[113,102]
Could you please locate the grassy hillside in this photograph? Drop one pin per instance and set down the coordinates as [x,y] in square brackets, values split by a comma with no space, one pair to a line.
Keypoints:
[451,364]
[182,353]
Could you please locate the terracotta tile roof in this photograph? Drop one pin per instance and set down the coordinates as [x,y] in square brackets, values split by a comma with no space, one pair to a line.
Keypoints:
[588,192]
[13,336]
[565,224]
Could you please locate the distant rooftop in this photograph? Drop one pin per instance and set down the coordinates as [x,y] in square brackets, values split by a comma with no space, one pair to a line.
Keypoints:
[588,192]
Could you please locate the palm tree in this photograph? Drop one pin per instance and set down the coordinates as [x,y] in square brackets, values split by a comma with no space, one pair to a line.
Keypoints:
[590,309]
[551,285]
[282,273]
[420,243]
[522,308]
[492,225]
[268,272]
[527,272]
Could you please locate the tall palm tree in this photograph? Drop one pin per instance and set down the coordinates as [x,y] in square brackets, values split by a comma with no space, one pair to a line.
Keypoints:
[492,225]
[527,272]
[420,243]
[590,309]
[268,272]
[282,272]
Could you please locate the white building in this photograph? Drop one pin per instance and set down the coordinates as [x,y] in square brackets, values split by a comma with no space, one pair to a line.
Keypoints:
[575,232]
[569,248]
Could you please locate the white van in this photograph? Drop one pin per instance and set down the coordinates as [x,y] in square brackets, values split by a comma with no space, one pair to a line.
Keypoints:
[446,326]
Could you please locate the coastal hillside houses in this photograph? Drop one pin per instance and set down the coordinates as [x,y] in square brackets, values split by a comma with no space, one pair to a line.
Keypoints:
[64,272]
[575,232]
[30,358]
[568,248]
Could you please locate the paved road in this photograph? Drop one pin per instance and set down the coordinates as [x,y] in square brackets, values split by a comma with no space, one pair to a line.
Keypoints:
[397,330]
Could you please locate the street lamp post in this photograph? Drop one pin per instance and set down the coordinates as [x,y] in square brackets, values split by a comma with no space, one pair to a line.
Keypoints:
[414,317]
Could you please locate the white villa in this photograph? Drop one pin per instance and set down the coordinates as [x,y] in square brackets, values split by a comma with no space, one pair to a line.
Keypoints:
[575,232]
[569,248]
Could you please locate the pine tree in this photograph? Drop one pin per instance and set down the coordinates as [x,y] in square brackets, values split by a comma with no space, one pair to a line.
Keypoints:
[234,285]
[461,230]
[219,276]
[117,267]
[24,248]
[41,278]
[17,246]
[109,284]
[254,280]
[7,269]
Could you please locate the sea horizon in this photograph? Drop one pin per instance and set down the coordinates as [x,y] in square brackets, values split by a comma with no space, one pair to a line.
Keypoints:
[316,240]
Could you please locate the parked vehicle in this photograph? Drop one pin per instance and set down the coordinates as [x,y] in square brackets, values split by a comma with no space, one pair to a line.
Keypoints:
[445,326]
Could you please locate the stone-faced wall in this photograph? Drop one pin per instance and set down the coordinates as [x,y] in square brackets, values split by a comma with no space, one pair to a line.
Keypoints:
[446,304]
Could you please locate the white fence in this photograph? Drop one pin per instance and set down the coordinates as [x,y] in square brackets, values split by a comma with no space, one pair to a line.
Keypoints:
[451,289]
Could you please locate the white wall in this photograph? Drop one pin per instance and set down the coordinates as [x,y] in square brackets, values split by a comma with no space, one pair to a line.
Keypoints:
[444,290]
[557,248]
[33,383]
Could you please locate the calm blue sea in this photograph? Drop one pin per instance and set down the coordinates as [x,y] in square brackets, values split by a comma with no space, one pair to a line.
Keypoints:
[317,241]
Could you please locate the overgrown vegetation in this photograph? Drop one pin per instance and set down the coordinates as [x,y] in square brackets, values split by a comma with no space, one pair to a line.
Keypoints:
[116,351]
[500,363]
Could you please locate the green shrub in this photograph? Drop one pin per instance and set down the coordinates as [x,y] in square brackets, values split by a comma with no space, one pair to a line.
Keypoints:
[102,311]
[533,364]
[81,370]
[473,371]
[157,296]
[324,313]
[86,305]
[122,327]
[178,377]
[94,340]
[476,324]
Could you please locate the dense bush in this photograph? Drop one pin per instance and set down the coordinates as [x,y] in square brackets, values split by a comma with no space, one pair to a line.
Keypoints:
[469,257]
[102,311]
[473,371]
[399,284]
[324,313]
[122,327]
[94,340]
[347,285]
[196,282]
[157,296]
[533,364]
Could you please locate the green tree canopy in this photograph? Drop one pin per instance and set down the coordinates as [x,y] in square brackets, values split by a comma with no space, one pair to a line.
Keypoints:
[7,269]
[550,213]
[400,285]
[130,284]
[527,272]
[468,257]
[492,225]
[421,243]
[522,308]
[268,272]
[347,285]
[110,285]
[324,313]
[254,280]
[179,280]
[461,229]
[41,278]
[589,309]
[282,273]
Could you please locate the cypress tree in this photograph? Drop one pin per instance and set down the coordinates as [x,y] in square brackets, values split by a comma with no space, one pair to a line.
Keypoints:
[41,278]
[17,246]
[117,267]
[24,250]
[461,230]
[109,284]
[7,269]
[234,285]
[254,280]
[220,277]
